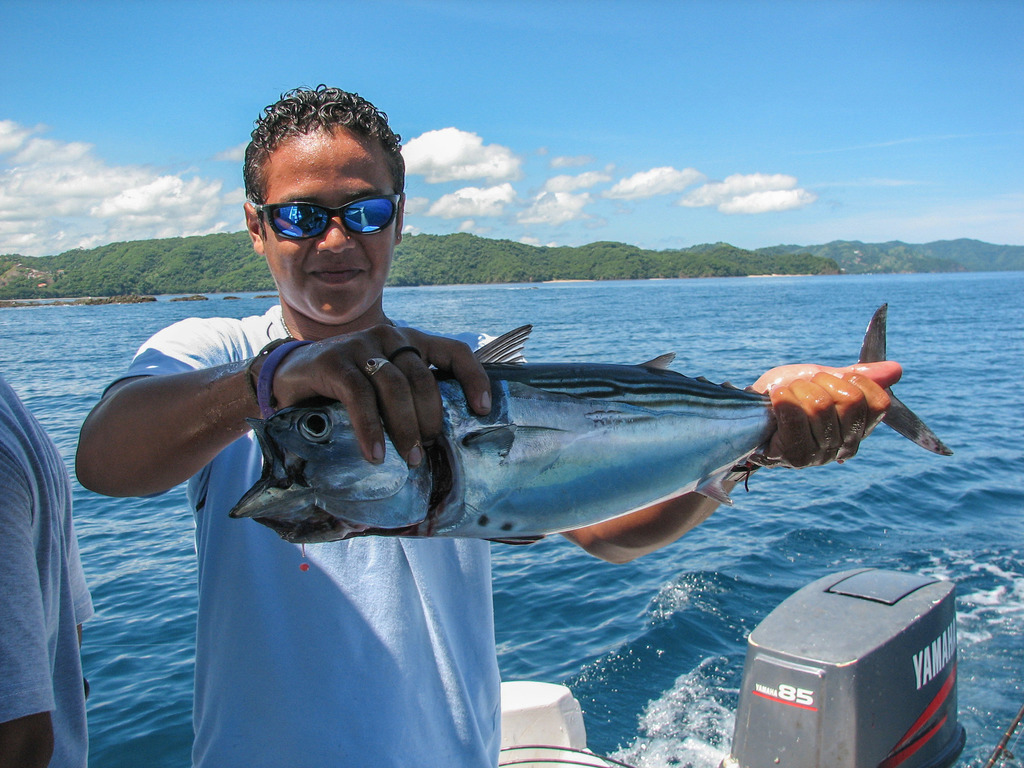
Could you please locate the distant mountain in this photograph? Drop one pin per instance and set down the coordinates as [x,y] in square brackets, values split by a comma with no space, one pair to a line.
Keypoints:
[226,263]
[964,255]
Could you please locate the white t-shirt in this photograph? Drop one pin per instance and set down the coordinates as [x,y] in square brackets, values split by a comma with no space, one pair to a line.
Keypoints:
[43,597]
[380,654]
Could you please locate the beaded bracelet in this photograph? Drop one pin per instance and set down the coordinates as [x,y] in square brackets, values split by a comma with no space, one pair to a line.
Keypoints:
[269,358]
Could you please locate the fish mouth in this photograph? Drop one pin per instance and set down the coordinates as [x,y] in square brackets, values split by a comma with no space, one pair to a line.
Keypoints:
[314,527]
[278,476]
[283,500]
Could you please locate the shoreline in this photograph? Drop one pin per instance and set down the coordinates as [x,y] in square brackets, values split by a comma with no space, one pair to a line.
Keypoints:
[98,301]
[150,298]
[82,301]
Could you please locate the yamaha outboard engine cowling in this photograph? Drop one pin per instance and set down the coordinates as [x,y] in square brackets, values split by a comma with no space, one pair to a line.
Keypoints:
[856,670]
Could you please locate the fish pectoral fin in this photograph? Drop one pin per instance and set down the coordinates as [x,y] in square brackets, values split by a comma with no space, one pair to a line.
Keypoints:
[712,488]
[498,439]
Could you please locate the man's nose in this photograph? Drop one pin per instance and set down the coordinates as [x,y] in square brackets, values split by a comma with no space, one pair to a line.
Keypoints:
[336,235]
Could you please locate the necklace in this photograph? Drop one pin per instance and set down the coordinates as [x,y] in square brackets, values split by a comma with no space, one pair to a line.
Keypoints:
[287,330]
[291,335]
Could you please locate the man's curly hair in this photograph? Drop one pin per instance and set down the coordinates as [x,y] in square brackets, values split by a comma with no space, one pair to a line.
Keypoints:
[303,111]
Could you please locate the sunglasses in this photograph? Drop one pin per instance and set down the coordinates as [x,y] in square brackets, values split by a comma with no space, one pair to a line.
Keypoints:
[297,221]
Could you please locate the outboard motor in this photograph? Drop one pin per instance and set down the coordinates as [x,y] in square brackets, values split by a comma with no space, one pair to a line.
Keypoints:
[855,670]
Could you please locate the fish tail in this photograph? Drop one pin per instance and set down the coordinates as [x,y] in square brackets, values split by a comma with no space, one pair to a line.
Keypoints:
[899,416]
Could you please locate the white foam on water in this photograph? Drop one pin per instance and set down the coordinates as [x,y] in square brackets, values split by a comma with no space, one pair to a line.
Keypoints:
[687,727]
[984,612]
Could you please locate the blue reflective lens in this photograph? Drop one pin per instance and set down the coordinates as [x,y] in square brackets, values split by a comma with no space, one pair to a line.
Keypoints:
[370,215]
[301,220]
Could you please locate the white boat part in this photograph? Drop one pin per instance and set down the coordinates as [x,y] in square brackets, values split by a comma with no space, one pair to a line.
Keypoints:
[542,725]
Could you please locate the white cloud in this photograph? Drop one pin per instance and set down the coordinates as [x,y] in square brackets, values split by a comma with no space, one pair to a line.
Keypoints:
[59,195]
[232,154]
[568,183]
[449,154]
[769,202]
[554,208]
[751,193]
[235,198]
[414,205]
[657,181]
[13,136]
[166,205]
[473,201]
[49,152]
[565,161]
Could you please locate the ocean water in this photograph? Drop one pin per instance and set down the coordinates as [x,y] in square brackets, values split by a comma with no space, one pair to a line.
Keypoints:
[654,649]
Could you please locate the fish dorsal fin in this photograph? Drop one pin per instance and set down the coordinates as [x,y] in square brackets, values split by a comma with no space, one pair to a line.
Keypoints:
[507,348]
[661,362]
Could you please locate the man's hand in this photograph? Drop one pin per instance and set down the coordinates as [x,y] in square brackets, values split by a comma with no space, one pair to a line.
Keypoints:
[822,413]
[400,397]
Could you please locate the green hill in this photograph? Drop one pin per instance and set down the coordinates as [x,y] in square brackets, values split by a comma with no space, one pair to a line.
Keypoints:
[226,263]
[963,255]
[208,264]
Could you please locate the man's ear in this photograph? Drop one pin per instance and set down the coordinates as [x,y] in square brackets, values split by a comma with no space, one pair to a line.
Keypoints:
[256,228]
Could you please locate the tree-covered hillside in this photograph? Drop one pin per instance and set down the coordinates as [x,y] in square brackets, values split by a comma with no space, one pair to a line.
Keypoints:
[208,264]
[963,255]
[463,258]
[227,263]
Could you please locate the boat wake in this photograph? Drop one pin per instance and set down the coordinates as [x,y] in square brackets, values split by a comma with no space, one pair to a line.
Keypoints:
[690,725]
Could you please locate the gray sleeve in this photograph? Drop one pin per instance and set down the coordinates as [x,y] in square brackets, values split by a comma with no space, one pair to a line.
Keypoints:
[25,684]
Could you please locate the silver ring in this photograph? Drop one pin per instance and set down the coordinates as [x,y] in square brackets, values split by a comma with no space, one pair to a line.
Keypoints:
[374,364]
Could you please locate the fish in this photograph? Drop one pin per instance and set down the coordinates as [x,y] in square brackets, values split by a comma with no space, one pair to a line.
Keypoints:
[565,445]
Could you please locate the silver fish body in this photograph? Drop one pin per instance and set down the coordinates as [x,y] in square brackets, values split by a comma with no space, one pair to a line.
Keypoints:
[564,446]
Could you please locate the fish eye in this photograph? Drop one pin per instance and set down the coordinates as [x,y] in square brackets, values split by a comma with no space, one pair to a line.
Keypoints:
[315,426]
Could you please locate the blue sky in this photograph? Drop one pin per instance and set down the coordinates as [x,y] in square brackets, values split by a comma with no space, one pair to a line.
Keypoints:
[661,124]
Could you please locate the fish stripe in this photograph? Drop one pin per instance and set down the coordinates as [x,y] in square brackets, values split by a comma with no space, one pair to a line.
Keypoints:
[626,383]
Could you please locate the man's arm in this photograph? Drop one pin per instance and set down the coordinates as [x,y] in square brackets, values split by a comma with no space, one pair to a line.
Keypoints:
[26,742]
[819,419]
[646,530]
[150,433]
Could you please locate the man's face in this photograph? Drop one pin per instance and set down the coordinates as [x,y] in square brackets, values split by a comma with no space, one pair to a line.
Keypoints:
[331,283]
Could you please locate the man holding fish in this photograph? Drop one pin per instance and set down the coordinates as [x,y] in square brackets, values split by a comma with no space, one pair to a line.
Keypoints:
[371,650]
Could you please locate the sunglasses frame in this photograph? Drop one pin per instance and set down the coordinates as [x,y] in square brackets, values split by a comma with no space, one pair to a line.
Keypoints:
[267,210]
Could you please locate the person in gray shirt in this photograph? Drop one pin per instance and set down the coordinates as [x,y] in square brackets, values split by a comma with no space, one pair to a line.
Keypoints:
[43,600]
